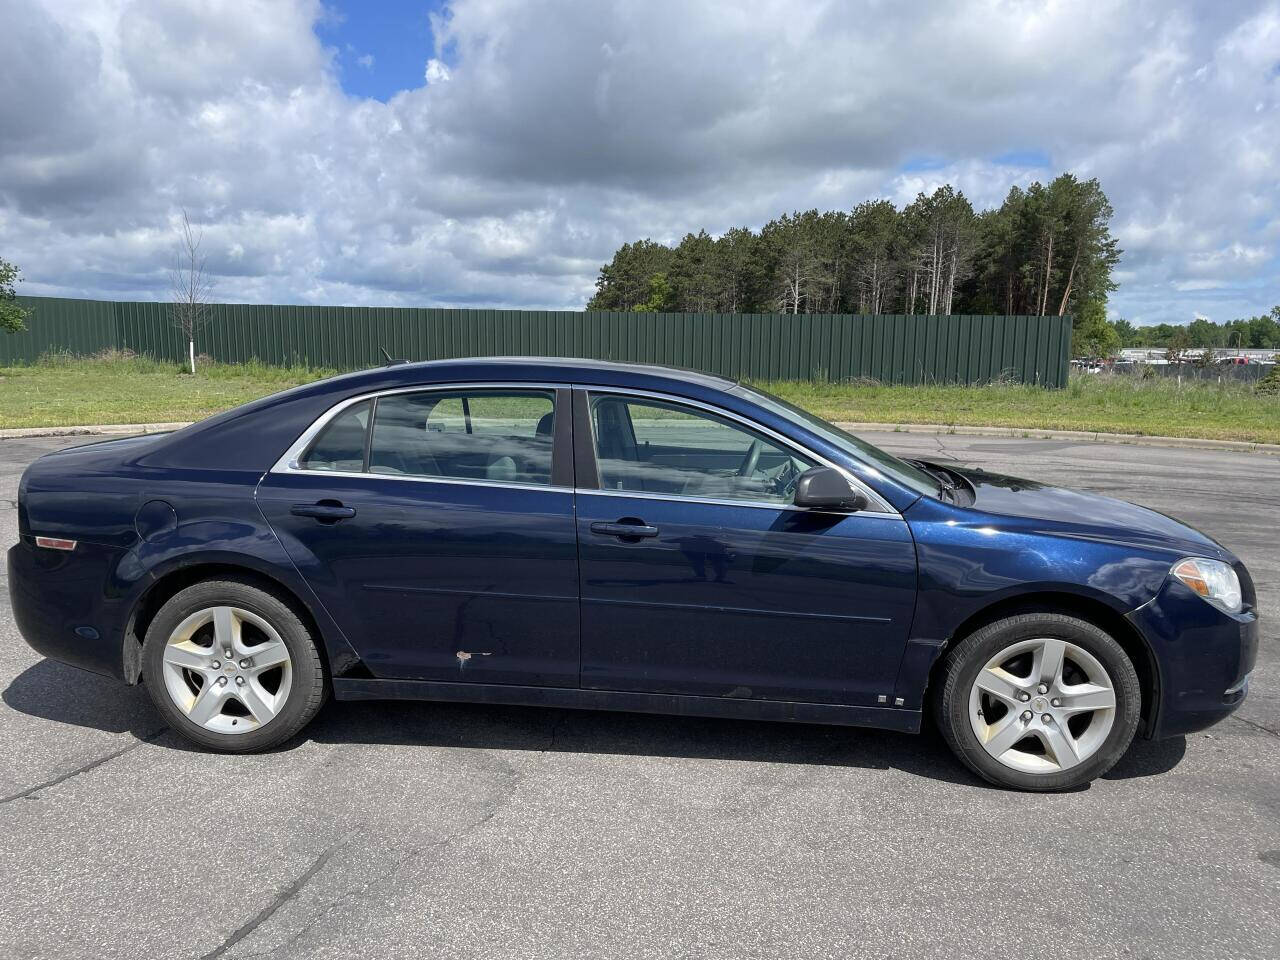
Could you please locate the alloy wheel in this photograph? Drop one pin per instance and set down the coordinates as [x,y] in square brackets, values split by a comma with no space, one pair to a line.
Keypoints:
[227,669]
[1042,706]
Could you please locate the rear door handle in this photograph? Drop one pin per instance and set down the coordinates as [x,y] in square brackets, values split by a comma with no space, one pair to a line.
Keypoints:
[624,530]
[324,512]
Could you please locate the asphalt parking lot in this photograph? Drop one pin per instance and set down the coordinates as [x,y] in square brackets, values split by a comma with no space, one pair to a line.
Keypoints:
[403,829]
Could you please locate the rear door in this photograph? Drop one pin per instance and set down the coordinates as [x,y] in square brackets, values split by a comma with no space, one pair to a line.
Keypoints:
[437,527]
[700,577]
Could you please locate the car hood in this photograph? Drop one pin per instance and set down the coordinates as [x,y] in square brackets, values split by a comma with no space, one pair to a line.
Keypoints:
[1067,512]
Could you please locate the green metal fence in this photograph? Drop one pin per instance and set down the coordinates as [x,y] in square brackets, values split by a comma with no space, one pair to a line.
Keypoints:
[891,349]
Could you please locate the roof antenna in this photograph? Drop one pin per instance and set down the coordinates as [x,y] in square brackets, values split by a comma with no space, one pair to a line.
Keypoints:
[391,361]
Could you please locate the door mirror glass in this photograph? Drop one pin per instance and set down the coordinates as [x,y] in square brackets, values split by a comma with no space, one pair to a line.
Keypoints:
[823,488]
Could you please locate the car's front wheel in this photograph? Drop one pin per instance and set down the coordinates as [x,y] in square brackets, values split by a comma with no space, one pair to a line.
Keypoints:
[232,667]
[1039,701]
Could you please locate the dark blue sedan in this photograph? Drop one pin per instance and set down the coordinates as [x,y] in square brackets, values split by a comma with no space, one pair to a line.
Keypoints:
[581,534]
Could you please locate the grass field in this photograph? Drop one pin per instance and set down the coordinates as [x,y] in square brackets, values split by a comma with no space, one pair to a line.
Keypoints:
[1093,402]
[62,391]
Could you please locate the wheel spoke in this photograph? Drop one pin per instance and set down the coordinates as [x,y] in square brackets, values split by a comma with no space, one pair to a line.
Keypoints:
[186,655]
[1050,705]
[1083,697]
[1004,733]
[257,701]
[1000,684]
[230,668]
[208,704]
[267,655]
[226,630]
[1063,746]
[1047,664]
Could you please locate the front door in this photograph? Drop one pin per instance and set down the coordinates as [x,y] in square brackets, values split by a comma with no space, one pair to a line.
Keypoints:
[699,577]
[437,528]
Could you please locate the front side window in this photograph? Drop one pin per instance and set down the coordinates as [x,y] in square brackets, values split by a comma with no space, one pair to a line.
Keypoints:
[482,434]
[649,446]
[910,476]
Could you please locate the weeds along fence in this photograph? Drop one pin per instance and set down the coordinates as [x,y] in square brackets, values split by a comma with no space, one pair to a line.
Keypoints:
[890,349]
[1212,373]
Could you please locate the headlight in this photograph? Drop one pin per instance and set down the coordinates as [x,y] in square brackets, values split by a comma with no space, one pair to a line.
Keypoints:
[1213,580]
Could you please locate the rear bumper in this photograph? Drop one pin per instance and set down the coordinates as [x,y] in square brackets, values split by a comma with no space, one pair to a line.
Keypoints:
[65,604]
[1203,658]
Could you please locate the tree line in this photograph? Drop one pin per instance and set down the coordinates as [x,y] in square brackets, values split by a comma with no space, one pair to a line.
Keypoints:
[1258,332]
[1046,249]
[1093,335]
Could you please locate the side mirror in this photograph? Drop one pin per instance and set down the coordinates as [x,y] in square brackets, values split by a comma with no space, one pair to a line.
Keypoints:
[823,488]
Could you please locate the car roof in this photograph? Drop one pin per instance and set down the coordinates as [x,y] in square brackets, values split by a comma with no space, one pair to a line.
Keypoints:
[565,369]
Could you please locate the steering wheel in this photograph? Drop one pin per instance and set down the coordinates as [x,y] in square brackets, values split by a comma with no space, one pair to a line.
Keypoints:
[784,484]
[748,465]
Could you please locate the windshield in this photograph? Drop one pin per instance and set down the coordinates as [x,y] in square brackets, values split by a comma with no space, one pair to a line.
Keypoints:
[904,473]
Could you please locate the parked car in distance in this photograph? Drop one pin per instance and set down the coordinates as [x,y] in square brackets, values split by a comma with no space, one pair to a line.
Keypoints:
[584,534]
[1089,365]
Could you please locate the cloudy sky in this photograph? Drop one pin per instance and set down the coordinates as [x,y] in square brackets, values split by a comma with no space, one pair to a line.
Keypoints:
[495,152]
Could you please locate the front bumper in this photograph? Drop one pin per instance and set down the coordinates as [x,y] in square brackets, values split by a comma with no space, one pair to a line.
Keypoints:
[1203,657]
[66,604]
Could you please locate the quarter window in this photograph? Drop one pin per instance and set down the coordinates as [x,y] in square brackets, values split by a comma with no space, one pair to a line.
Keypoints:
[340,445]
[655,447]
[498,435]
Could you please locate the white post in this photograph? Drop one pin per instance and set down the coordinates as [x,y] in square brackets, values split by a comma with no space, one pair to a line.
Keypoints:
[191,354]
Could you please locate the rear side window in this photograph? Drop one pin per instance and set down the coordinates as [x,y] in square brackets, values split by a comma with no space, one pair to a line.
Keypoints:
[340,445]
[486,434]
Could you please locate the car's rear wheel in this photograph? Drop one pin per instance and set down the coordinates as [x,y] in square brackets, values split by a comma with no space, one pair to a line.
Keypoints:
[232,667]
[1039,701]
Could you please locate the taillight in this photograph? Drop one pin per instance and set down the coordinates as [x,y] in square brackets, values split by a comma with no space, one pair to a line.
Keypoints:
[55,543]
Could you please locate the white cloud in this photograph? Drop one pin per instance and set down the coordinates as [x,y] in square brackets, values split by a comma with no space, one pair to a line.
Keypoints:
[436,71]
[565,129]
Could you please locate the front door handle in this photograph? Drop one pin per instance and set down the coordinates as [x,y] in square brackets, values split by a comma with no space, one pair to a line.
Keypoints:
[636,529]
[326,511]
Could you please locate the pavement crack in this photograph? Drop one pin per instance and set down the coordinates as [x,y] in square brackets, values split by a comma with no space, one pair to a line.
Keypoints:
[554,734]
[1257,726]
[281,898]
[386,876]
[82,769]
[333,907]
[942,448]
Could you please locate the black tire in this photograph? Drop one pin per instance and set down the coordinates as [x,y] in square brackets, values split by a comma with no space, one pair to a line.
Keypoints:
[968,657]
[307,690]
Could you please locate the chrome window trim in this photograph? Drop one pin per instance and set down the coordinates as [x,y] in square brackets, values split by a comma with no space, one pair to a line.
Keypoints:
[886,509]
[288,461]
[461,481]
[753,504]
